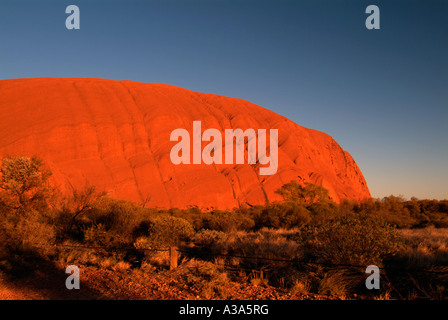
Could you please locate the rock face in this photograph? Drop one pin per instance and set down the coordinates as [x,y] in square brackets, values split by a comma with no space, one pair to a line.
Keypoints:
[116,135]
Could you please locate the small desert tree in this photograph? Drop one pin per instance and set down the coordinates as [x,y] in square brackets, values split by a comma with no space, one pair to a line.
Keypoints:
[24,183]
[73,207]
[170,230]
[305,195]
[166,231]
[25,196]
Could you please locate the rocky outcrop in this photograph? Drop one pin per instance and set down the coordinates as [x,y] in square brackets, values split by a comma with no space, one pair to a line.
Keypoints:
[116,135]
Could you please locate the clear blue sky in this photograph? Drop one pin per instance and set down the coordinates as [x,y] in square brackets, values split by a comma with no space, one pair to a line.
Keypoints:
[382,94]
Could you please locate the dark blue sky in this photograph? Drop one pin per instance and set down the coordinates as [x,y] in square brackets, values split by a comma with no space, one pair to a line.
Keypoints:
[382,94]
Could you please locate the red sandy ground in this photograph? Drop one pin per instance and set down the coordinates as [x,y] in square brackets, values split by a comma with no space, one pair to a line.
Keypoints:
[119,285]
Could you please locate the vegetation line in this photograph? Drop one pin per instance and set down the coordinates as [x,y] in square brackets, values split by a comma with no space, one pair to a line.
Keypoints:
[329,265]
[305,244]
[95,247]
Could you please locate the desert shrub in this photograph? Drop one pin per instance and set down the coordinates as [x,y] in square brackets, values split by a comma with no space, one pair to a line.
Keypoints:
[431,206]
[339,282]
[112,222]
[405,214]
[205,277]
[225,221]
[347,206]
[208,238]
[166,230]
[265,243]
[360,239]
[192,214]
[439,220]
[303,194]
[35,229]
[282,215]
[398,218]
[25,197]
[24,184]
[425,247]
[23,239]
[120,216]
[98,235]
[303,204]
[141,230]
[323,211]
[70,211]
[25,214]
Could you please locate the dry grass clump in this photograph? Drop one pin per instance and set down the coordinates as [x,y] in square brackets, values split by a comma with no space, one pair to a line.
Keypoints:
[301,286]
[259,279]
[426,247]
[210,279]
[121,266]
[339,283]
[430,235]
[266,243]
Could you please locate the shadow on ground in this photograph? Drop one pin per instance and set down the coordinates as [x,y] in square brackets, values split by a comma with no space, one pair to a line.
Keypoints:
[26,274]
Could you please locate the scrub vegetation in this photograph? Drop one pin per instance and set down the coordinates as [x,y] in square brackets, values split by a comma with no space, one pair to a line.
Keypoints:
[304,247]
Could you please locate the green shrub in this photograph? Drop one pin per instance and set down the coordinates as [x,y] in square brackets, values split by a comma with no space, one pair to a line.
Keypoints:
[265,243]
[98,235]
[225,221]
[361,239]
[25,237]
[26,229]
[323,211]
[113,222]
[24,184]
[167,230]
[282,215]
[68,214]
[207,238]
[303,194]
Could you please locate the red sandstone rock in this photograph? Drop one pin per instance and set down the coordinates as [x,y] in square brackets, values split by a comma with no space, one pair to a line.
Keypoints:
[116,135]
